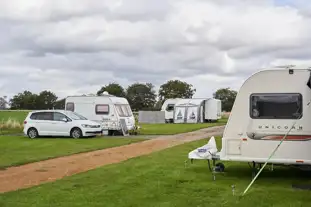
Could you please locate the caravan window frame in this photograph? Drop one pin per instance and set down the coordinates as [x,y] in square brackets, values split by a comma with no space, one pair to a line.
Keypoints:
[101,113]
[300,98]
[73,106]
[167,107]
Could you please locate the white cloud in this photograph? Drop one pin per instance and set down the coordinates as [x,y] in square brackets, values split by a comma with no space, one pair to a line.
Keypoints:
[73,47]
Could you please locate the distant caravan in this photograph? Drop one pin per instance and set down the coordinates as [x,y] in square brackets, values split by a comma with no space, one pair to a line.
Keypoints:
[168,108]
[113,113]
[197,110]
[272,105]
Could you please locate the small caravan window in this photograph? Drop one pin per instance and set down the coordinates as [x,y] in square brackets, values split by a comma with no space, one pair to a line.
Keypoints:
[123,110]
[170,107]
[276,106]
[102,109]
[70,106]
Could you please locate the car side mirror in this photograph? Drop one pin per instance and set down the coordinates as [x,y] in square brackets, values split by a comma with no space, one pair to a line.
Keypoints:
[64,120]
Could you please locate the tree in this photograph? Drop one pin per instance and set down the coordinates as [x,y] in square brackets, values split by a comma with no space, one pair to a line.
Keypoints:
[227,97]
[24,100]
[141,96]
[113,89]
[175,89]
[60,104]
[46,100]
[2,103]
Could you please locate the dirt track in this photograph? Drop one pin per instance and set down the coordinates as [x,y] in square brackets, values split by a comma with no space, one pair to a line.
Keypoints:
[46,171]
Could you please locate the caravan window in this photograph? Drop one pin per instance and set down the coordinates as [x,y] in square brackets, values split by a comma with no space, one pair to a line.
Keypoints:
[70,106]
[276,106]
[170,107]
[129,110]
[102,109]
[123,110]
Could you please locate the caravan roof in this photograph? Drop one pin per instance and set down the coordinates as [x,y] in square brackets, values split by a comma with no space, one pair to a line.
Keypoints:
[193,102]
[112,98]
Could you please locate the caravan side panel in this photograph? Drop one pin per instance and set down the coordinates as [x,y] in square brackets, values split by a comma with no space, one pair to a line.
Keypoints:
[179,115]
[192,114]
[211,109]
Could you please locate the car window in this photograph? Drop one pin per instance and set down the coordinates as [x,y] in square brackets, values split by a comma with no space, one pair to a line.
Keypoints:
[34,116]
[59,116]
[44,116]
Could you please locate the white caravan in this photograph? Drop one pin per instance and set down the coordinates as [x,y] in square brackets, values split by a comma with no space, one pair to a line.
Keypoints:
[270,105]
[106,109]
[197,110]
[168,108]
[212,110]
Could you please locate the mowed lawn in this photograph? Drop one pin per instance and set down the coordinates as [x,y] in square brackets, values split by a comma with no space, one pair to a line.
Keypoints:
[17,150]
[170,129]
[161,179]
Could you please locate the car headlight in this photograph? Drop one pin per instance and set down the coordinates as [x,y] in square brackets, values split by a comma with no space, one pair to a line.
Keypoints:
[90,126]
[86,126]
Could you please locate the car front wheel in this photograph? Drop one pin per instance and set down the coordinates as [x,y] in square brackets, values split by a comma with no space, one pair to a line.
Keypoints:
[32,133]
[76,133]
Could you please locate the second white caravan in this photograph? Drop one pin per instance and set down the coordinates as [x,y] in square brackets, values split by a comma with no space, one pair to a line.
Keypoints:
[212,110]
[168,108]
[106,109]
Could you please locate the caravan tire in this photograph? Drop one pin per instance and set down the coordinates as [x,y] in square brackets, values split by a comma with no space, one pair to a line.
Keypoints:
[220,166]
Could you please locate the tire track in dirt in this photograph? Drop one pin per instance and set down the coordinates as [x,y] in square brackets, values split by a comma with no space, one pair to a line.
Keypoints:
[36,173]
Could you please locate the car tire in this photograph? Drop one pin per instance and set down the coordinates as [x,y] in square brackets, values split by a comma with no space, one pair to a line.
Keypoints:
[76,133]
[32,133]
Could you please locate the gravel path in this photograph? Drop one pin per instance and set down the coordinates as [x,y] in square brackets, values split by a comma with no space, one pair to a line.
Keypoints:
[32,174]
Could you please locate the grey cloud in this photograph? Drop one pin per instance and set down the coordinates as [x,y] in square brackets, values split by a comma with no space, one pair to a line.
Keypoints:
[79,49]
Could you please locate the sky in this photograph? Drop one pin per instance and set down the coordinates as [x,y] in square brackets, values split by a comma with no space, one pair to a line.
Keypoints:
[74,47]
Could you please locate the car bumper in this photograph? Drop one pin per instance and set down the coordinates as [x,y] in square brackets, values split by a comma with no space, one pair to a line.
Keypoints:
[91,132]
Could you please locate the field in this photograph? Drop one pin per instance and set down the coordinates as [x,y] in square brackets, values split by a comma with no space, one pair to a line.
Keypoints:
[11,123]
[17,150]
[162,179]
[169,129]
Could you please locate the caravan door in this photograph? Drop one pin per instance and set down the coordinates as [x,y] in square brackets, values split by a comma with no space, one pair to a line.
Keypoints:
[179,115]
[192,114]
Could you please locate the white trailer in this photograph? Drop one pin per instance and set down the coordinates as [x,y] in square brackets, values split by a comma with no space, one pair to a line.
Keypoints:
[272,105]
[168,108]
[212,110]
[106,109]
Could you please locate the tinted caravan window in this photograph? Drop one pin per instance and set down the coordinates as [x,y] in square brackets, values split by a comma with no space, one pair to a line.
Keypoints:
[276,106]
[170,107]
[70,106]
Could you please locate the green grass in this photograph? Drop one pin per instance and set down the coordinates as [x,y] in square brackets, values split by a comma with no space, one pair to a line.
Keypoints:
[17,150]
[169,129]
[14,115]
[161,179]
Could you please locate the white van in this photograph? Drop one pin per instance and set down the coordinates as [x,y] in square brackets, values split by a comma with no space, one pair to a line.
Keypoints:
[108,110]
[168,108]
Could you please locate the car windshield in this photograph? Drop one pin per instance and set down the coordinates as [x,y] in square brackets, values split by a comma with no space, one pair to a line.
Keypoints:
[75,116]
